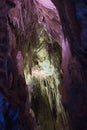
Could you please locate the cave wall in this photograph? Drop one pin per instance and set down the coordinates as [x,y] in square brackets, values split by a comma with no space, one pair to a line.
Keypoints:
[5,113]
[5,6]
[73,45]
[73,16]
[73,19]
[14,105]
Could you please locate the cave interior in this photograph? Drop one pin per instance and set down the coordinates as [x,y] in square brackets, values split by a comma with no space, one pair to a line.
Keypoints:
[43,65]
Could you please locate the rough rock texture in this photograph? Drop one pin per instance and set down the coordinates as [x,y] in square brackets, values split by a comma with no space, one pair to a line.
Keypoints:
[68,26]
[4,40]
[6,115]
[49,18]
[46,84]
[14,105]
[73,19]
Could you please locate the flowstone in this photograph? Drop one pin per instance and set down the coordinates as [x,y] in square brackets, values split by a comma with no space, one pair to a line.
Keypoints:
[45,85]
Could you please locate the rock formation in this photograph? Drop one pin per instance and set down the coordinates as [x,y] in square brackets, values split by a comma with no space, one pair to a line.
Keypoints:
[43,66]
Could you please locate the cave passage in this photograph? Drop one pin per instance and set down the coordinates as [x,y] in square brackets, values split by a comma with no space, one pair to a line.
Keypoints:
[43,65]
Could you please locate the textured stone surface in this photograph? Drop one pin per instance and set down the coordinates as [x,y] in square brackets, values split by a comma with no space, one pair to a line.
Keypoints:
[75,72]
[72,15]
[8,117]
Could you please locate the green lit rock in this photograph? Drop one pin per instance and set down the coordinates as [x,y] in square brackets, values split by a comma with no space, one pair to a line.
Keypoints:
[46,82]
